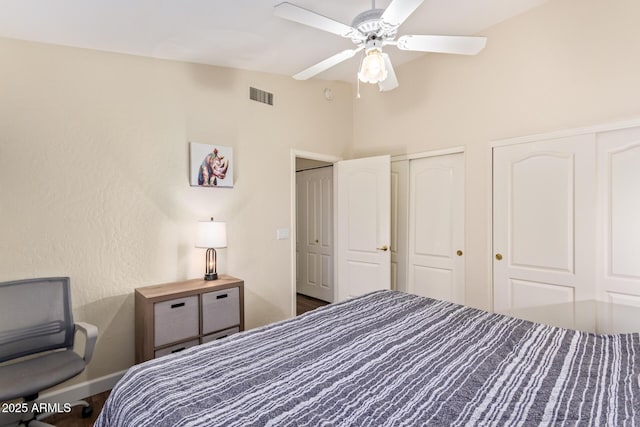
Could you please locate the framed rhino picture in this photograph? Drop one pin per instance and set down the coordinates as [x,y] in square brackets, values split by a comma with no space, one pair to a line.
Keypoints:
[211,165]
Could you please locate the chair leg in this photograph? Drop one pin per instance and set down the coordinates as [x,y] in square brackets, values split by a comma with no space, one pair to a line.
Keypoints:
[87,411]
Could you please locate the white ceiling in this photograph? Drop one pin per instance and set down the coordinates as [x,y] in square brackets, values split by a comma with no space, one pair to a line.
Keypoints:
[234,33]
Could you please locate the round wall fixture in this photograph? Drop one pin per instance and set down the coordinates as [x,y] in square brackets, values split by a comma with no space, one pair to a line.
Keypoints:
[328,94]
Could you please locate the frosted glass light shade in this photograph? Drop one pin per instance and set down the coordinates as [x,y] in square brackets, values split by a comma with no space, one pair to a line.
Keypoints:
[373,69]
[211,234]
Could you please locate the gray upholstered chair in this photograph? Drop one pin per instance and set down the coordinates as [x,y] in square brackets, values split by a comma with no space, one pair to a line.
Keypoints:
[37,335]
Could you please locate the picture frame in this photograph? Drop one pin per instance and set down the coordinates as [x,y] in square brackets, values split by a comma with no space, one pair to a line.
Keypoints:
[211,165]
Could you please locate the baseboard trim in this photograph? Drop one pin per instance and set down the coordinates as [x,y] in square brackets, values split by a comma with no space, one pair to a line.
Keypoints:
[83,390]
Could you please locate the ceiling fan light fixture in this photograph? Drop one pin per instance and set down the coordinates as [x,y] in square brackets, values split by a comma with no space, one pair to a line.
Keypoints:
[370,31]
[373,69]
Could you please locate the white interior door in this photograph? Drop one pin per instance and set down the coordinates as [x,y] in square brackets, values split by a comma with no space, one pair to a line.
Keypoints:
[619,241]
[543,222]
[363,226]
[315,233]
[436,227]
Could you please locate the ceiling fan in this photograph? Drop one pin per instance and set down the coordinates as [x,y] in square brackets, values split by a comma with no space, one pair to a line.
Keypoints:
[371,30]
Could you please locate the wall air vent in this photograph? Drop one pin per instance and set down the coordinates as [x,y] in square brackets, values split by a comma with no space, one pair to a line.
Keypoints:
[260,96]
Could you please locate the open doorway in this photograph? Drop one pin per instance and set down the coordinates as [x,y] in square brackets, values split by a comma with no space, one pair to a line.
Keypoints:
[314,231]
[313,237]
[361,209]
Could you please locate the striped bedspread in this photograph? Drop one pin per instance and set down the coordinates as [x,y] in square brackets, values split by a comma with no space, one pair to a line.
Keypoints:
[388,359]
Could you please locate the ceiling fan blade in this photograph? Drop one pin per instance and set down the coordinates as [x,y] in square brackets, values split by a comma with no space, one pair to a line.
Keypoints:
[326,64]
[443,44]
[391,82]
[399,10]
[303,16]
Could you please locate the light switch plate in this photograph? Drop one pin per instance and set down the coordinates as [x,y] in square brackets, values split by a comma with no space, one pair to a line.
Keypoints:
[282,233]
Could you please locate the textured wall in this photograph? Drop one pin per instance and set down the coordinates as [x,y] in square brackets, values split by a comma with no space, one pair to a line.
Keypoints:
[565,64]
[94,180]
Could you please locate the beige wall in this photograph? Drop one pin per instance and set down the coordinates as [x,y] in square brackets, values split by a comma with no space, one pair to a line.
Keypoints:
[565,64]
[94,180]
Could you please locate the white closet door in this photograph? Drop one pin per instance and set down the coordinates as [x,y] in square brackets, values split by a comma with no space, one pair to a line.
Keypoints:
[619,190]
[436,227]
[315,233]
[399,224]
[544,217]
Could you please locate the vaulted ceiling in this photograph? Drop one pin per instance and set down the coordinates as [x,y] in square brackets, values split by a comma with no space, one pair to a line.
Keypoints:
[234,33]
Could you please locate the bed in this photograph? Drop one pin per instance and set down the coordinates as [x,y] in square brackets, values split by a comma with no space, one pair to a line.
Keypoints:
[388,358]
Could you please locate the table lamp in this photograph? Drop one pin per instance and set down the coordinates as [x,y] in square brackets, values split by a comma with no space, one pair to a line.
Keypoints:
[211,235]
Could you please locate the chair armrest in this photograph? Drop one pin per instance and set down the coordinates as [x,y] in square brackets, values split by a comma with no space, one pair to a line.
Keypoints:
[91,334]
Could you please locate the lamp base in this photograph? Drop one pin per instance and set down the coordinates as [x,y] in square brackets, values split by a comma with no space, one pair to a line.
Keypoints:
[210,272]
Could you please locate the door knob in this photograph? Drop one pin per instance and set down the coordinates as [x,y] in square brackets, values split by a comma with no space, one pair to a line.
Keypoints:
[459,252]
[384,248]
[498,257]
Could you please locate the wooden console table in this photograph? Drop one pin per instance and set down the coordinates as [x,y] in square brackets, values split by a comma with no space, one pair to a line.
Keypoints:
[174,316]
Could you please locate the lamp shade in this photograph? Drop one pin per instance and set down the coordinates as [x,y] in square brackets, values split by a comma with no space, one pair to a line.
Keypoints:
[211,234]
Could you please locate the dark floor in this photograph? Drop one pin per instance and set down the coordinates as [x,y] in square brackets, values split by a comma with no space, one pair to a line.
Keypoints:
[305,303]
[74,418]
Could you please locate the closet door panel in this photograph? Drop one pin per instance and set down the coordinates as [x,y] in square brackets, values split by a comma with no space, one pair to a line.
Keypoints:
[543,222]
[433,227]
[436,227]
[619,181]
[399,223]
[436,283]
[540,218]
